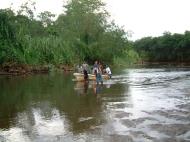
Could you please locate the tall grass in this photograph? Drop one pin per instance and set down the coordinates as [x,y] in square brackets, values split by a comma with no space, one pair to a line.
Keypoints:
[48,50]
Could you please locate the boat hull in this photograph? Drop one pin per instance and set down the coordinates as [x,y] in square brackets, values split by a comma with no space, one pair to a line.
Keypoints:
[80,77]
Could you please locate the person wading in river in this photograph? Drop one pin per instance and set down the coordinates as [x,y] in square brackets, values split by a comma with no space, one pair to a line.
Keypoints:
[85,71]
[108,71]
[98,74]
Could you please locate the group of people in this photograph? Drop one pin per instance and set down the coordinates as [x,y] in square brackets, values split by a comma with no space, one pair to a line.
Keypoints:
[98,70]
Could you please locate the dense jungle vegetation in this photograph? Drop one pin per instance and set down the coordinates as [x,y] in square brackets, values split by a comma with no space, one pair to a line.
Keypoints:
[83,32]
[166,48]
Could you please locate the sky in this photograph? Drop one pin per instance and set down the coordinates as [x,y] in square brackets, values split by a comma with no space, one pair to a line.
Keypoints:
[141,17]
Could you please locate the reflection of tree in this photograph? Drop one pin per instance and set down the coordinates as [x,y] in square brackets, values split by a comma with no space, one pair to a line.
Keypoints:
[89,106]
[20,95]
[8,101]
[78,107]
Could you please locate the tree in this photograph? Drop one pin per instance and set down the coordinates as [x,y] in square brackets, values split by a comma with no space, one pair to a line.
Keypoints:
[84,25]
[27,9]
[9,45]
[169,47]
[81,33]
[46,18]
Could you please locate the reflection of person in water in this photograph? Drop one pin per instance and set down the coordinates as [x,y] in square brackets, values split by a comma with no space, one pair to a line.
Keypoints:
[97,88]
[81,88]
[85,87]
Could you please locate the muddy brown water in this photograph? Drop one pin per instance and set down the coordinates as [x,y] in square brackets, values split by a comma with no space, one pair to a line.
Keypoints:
[136,105]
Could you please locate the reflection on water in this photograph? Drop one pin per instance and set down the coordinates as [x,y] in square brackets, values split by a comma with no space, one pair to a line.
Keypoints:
[135,105]
[83,88]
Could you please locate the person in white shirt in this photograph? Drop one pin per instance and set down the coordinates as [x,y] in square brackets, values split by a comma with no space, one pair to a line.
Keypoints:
[108,71]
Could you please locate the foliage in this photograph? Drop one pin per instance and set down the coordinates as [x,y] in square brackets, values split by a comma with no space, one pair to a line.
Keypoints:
[81,33]
[11,50]
[168,47]
[128,58]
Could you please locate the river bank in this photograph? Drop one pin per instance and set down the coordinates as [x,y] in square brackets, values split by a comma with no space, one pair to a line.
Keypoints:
[24,69]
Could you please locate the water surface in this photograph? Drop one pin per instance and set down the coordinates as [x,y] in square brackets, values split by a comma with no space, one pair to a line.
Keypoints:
[135,105]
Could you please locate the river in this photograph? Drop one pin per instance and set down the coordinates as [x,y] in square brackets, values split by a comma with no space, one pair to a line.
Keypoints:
[136,105]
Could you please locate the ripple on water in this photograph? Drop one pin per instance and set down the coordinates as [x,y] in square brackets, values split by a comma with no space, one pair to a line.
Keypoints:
[151,105]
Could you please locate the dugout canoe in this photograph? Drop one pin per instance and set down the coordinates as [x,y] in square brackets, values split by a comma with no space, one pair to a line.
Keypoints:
[80,77]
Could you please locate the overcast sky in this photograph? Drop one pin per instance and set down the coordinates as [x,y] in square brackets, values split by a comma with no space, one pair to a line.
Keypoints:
[142,17]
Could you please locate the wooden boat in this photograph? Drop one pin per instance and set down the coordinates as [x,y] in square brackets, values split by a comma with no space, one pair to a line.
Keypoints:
[80,77]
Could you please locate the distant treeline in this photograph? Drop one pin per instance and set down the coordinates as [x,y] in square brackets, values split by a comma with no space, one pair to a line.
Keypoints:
[166,48]
[81,33]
